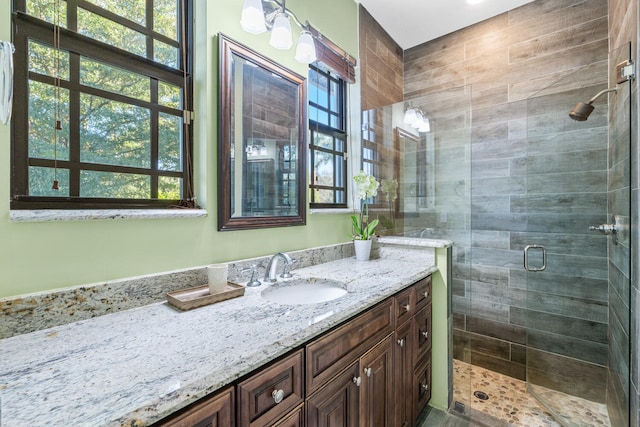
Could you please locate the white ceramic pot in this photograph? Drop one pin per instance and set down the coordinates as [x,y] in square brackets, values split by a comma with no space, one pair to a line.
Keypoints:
[363,249]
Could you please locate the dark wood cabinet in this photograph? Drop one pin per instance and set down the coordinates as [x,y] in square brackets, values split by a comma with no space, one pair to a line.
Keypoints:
[294,419]
[334,351]
[422,334]
[412,354]
[376,389]
[421,389]
[214,411]
[403,374]
[272,392]
[336,404]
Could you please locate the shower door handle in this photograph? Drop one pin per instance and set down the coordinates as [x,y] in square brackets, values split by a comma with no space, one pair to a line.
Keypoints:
[527,267]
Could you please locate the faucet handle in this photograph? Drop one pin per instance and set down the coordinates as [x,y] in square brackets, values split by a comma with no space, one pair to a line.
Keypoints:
[253,281]
[286,273]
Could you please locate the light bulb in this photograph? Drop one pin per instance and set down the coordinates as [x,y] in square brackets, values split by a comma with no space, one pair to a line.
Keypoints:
[425,126]
[281,32]
[418,121]
[252,20]
[409,116]
[306,48]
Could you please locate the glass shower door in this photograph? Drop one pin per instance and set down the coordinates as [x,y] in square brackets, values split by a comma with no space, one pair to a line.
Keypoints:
[576,278]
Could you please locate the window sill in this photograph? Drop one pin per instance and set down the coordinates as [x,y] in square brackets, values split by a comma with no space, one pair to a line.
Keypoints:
[51,215]
[331,211]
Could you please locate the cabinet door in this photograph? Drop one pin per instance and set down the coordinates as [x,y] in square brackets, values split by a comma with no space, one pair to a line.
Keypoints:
[215,411]
[272,392]
[376,394]
[293,419]
[334,351]
[422,333]
[421,389]
[403,374]
[336,404]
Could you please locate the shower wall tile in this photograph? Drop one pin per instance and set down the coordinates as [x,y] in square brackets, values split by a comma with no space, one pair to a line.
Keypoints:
[381,65]
[588,351]
[490,347]
[571,307]
[557,41]
[496,364]
[559,203]
[568,375]
[545,16]
[589,245]
[617,402]
[491,204]
[490,239]
[575,223]
[491,168]
[558,284]
[519,354]
[580,329]
[489,328]
[571,141]
[490,274]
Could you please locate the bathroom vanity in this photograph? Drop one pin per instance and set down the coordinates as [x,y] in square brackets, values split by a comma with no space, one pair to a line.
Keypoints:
[374,369]
[246,361]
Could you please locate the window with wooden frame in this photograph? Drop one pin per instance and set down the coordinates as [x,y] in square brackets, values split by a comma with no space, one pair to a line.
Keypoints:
[327,139]
[103,91]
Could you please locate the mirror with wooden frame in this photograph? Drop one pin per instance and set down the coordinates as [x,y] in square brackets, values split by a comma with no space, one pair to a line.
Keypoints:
[262,141]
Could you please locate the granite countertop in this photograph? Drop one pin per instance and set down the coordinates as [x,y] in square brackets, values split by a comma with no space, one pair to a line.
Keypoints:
[138,366]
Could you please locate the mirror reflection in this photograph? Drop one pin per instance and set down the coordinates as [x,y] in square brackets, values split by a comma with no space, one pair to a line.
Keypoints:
[262,141]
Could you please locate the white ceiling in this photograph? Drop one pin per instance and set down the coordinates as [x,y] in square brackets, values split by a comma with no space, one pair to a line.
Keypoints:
[412,22]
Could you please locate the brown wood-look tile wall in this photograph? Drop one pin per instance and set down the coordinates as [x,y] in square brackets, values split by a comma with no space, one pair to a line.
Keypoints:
[506,60]
[380,65]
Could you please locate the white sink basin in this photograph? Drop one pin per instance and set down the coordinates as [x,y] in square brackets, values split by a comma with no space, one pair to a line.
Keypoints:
[304,291]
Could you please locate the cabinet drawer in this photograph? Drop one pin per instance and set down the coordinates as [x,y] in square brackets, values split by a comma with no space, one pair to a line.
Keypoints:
[422,332]
[421,389]
[404,305]
[214,411]
[338,349]
[423,292]
[271,393]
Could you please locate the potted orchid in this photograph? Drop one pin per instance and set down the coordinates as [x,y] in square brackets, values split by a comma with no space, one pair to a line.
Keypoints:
[365,187]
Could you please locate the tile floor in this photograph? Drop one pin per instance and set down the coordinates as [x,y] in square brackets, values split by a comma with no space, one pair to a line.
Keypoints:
[510,404]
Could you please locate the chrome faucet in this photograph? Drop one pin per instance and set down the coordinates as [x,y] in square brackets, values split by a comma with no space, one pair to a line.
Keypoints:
[270,272]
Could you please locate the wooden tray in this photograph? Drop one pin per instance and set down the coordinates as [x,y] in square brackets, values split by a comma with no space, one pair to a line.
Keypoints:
[187,299]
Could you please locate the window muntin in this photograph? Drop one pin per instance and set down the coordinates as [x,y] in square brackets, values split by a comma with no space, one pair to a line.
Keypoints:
[327,139]
[122,142]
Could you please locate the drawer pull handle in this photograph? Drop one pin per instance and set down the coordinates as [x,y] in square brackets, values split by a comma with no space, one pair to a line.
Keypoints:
[278,395]
[368,371]
[401,343]
[426,294]
[425,334]
[407,307]
[357,381]
[425,387]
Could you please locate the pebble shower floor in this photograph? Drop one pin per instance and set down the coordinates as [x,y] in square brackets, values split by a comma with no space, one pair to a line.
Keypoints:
[510,402]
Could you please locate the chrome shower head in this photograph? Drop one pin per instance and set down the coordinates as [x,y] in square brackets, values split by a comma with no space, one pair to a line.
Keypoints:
[581,111]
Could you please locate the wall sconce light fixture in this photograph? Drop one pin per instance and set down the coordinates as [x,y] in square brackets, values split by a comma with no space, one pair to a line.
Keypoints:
[259,16]
[416,119]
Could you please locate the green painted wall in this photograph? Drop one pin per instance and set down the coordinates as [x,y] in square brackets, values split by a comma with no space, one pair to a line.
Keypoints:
[43,256]
[439,343]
